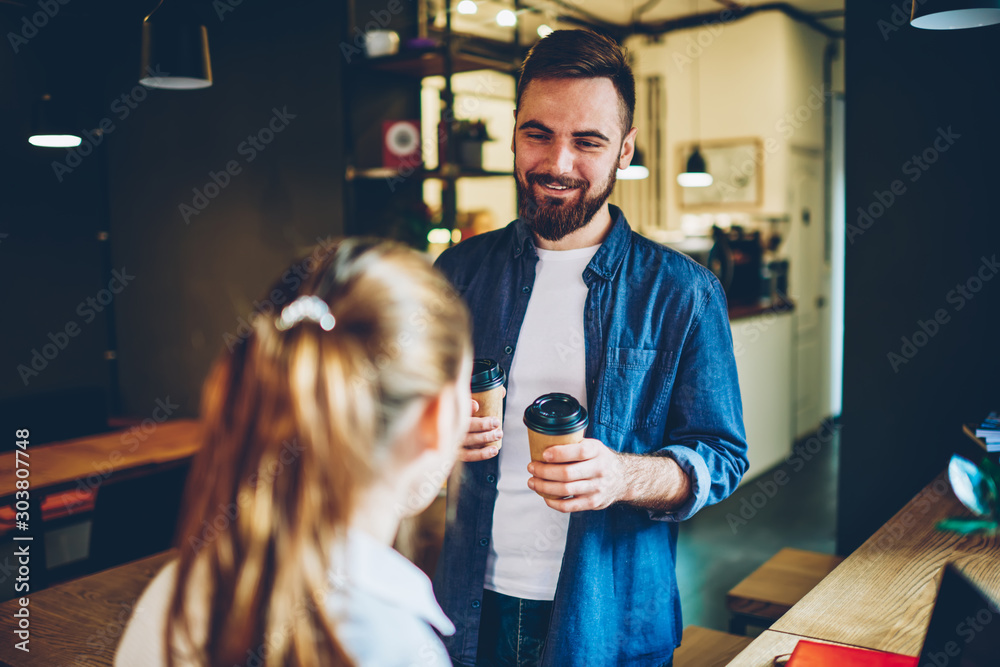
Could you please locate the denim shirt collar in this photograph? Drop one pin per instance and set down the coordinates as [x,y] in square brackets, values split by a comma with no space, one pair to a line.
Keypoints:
[608,258]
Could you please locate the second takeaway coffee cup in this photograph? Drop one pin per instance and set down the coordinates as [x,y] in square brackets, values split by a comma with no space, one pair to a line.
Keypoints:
[487,388]
[554,419]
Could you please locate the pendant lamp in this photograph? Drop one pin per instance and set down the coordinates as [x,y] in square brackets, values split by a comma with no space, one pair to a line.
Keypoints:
[636,170]
[175,48]
[954,14]
[695,174]
[50,127]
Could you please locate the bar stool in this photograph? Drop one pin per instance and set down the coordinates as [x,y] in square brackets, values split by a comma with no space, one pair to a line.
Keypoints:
[702,647]
[774,587]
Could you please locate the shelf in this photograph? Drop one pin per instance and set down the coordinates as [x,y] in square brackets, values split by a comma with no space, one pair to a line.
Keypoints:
[468,54]
[448,174]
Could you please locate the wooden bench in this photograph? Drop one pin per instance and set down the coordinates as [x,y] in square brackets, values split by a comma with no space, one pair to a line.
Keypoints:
[774,587]
[702,647]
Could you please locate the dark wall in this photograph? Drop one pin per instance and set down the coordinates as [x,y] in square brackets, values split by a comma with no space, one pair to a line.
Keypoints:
[905,400]
[193,279]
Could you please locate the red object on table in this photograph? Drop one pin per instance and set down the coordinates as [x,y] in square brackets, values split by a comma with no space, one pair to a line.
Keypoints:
[814,654]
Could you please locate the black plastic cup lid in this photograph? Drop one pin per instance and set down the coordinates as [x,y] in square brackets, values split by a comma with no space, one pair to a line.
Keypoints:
[556,414]
[486,374]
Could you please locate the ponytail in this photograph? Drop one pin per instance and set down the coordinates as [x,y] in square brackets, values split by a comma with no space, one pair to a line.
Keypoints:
[297,419]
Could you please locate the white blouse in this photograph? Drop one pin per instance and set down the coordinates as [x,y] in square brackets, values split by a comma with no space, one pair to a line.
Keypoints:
[383,608]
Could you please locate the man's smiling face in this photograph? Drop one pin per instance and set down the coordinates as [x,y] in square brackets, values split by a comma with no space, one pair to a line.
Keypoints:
[568,143]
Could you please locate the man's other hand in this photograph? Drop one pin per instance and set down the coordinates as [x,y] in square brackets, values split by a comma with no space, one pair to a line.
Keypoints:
[479,441]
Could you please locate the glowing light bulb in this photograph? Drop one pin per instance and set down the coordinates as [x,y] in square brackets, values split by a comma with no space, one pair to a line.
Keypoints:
[506,18]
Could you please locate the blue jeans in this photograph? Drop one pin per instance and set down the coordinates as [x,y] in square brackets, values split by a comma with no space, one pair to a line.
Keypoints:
[512,631]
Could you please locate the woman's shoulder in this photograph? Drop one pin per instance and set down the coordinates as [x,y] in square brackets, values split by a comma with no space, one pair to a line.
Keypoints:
[141,644]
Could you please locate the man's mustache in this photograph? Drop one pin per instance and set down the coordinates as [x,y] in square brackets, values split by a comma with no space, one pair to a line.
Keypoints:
[535,178]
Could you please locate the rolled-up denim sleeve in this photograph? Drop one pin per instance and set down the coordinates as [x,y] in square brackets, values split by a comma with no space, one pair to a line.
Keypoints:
[704,431]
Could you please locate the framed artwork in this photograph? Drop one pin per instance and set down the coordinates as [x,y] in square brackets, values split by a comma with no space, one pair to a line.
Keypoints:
[736,165]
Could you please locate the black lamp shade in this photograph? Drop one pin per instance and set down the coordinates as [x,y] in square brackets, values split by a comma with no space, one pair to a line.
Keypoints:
[696,163]
[695,175]
[175,51]
[954,14]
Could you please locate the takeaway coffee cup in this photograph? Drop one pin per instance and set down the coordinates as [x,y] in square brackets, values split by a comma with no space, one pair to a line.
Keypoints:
[487,388]
[554,419]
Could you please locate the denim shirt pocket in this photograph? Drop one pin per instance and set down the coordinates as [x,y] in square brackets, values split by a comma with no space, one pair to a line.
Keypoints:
[635,388]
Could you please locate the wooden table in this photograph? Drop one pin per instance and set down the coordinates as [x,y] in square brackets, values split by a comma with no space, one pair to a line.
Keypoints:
[79,622]
[103,458]
[881,597]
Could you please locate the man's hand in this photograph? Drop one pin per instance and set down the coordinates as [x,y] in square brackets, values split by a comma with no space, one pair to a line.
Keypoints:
[589,471]
[483,432]
[597,477]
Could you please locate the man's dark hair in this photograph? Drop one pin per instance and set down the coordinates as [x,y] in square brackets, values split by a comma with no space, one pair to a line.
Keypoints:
[581,54]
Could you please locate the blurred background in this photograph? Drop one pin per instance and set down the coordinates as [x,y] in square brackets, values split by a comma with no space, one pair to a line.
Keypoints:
[852,158]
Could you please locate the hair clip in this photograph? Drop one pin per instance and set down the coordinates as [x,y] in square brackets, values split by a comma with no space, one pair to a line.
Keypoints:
[309,307]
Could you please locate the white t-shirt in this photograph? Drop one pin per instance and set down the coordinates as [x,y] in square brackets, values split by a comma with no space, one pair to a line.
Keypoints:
[383,609]
[528,536]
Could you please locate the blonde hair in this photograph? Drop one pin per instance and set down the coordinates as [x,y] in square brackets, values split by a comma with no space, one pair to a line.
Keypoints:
[296,421]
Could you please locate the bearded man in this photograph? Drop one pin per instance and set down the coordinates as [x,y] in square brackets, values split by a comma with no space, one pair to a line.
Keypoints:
[567,298]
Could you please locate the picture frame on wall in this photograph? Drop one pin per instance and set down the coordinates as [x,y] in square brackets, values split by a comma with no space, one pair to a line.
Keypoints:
[737,167]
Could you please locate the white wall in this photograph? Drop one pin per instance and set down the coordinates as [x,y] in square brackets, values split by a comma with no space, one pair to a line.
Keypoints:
[754,75]
[763,348]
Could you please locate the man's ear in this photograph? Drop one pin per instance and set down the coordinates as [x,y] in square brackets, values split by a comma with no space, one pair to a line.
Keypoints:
[628,149]
[514,133]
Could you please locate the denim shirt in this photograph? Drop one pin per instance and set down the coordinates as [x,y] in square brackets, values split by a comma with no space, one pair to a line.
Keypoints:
[661,380]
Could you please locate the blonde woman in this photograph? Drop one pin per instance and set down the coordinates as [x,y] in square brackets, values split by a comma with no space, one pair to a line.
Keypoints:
[337,417]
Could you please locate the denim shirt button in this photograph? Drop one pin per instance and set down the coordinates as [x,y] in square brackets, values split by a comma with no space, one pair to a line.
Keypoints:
[508,349]
[525,289]
[475,604]
[483,542]
[491,478]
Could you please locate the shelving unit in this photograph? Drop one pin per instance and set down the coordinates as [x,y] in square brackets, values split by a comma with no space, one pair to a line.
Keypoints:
[454,53]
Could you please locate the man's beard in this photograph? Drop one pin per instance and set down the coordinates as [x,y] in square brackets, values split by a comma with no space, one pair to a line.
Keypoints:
[553,218]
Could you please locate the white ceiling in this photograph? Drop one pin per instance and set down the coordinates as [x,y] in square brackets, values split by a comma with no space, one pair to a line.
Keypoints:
[621,11]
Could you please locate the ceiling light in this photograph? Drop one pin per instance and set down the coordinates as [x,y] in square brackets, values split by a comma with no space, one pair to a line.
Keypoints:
[49,126]
[636,170]
[696,174]
[175,49]
[544,30]
[506,18]
[953,14]
[467,7]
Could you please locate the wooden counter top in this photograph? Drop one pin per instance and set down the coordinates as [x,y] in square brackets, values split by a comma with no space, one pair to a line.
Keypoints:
[103,457]
[881,597]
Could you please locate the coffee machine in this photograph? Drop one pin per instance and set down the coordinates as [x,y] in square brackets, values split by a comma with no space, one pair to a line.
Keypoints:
[736,259]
